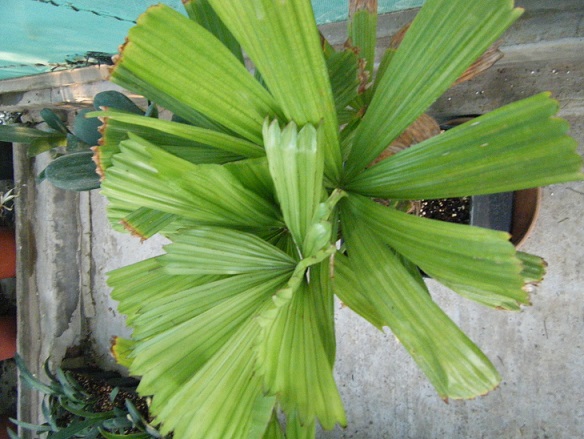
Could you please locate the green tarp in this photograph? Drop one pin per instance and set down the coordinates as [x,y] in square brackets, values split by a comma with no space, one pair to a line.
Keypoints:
[42,35]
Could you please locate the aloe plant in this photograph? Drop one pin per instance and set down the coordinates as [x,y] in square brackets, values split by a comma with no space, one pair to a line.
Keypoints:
[72,411]
[7,201]
[264,184]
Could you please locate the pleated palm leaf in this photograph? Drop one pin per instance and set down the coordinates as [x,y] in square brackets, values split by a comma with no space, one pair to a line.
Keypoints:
[259,176]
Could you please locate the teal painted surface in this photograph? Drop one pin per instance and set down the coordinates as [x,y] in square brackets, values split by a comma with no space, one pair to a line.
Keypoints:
[38,36]
[327,11]
[43,35]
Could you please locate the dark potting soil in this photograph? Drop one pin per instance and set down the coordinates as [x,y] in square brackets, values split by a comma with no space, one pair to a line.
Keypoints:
[100,390]
[453,210]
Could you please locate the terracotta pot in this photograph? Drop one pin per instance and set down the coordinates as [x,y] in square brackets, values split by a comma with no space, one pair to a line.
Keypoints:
[7,337]
[7,253]
[526,205]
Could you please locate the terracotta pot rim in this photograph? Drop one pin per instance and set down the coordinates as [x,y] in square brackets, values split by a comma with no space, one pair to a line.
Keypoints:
[7,337]
[526,210]
[8,249]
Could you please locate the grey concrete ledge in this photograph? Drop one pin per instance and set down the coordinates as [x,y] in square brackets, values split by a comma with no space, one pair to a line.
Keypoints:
[64,89]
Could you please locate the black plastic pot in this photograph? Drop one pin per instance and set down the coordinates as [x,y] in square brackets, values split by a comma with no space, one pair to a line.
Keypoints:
[512,212]
[6,167]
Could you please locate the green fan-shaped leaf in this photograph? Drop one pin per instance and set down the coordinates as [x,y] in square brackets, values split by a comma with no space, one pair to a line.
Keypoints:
[297,429]
[294,42]
[199,73]
[194,347]
[515,147]
[295,365]
[254,174]
[362,37]
[214,250]
[383,65]
[533,267]
[452,363]
[349,291]
[223,392]
[480,264]
[444,39]
[343,72]
[236,320]
[274,429]
[183,146]
[202,12]
[143,175]
[265,423]
[362,29]
[296,167]
[323,297]
[145,223]
[196,325]
[112,134]
[198,299]
[221,398]
[122,352]
[163,132]
[139,285]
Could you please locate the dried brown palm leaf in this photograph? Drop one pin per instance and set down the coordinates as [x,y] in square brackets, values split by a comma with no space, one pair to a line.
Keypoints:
[423,128]
[490,57]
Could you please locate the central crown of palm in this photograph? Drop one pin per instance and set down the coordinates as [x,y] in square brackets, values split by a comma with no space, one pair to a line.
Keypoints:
[259,176]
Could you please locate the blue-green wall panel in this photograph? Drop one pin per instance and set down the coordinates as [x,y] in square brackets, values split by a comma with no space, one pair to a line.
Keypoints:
[40,35]
[37,36]
[327,11]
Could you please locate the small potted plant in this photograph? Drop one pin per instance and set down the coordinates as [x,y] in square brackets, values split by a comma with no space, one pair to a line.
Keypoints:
[88,403]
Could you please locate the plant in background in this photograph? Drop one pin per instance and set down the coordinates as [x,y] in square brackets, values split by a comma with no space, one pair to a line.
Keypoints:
[7,201]
[7,117]
[259,176]
[7,207]
[72,410]
[73,167]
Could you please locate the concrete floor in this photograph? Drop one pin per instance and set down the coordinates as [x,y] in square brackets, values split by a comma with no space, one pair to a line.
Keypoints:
[66,247]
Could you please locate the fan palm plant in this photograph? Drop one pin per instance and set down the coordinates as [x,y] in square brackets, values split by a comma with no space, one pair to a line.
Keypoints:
[264,184]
